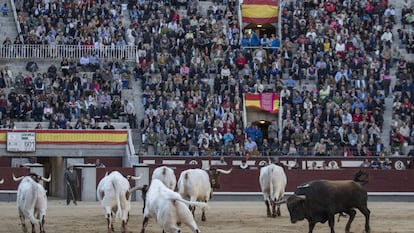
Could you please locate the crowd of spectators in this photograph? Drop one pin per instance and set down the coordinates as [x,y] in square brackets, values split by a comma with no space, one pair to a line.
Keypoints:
[349,50]
[71,101]
[62,95]
[337,55]
[332,73]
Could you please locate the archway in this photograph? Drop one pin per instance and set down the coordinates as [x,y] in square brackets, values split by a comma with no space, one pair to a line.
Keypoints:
[263,125]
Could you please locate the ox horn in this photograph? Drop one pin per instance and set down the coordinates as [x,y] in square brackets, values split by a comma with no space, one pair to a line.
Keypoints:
[106,173]
[134,177]
[224,171]
[47,179]
[283,201]
[17,178]
[1,181]
[131,190]
[303,197]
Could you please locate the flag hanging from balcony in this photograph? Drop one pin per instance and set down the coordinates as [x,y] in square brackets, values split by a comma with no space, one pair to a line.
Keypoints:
[265,101]
[260,11]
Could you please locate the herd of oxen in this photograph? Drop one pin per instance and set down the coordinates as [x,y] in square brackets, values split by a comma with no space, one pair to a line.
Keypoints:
[316,201]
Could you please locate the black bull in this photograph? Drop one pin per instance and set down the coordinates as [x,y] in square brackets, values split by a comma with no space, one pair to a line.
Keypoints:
[319,201]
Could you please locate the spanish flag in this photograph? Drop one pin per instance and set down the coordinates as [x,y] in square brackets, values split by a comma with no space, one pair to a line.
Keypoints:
[265,101]
[260,11]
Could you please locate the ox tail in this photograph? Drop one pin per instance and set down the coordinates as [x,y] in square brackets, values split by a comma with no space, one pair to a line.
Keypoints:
[118,201]
[182,183]
[361,177]
[30,216]
[270,176]
[192,203]
[29,203]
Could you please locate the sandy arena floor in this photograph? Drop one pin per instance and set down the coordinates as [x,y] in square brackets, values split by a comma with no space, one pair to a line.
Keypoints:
[222,217]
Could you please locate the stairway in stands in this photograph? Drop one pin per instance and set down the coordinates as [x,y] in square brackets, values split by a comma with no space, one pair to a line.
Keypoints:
[8,26]
[386,129]
[134,93]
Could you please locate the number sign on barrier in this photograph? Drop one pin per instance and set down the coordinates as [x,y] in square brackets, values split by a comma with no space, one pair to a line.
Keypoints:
[21,142]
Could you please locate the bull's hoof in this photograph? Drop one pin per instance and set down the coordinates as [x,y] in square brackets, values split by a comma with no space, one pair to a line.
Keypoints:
[269,215]
[24,228]
[274,215]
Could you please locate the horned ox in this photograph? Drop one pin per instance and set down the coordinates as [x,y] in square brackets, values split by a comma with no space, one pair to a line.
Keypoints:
[166,175]
[169,208]
[320,200]
[32,200]
[114,193]
[198,184]
[273,184]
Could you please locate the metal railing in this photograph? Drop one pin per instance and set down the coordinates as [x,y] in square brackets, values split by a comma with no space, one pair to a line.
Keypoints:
[53,52]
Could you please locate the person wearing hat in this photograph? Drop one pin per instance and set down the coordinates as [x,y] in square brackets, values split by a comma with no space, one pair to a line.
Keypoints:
[71,183]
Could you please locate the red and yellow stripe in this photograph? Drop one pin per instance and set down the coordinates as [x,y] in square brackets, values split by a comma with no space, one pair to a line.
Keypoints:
[252,100]
[260,11]
[67,137]
[266,101]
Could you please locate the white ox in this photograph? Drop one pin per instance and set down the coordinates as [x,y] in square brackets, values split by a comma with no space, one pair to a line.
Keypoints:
[198,184]
[31,200]
[273,183]
[166,175]
[169,208]
[114,193]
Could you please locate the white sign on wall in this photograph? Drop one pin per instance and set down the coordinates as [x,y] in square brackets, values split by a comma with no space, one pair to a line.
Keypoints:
[21,142]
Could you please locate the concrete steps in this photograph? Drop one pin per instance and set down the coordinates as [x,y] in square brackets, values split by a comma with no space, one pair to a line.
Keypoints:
[8,27]
[204,6]
[388,113]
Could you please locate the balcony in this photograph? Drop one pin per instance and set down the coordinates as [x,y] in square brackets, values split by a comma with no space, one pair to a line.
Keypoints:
[53,52]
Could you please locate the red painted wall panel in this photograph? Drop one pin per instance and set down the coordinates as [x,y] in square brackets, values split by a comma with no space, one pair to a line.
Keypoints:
[108,161]
[247,180]
[5,162]
[6,173]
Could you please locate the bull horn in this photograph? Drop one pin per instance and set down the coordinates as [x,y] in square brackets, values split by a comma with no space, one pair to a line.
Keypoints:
[131,190]
[303,197]
[106,173]
[1,181]
[224,171]
[134,177]
[47,179]
[283,201]
[17,178]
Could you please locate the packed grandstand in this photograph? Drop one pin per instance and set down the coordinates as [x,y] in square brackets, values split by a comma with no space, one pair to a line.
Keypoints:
[340,69]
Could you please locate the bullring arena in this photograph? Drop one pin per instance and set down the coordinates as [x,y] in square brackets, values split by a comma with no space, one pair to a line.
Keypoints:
[87,95]
[222,217]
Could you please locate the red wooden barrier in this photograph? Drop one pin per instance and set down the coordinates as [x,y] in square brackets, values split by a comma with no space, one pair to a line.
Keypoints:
[107,161]
[6,173]
[247,180]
